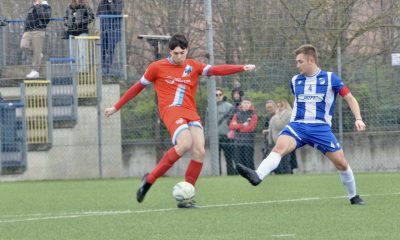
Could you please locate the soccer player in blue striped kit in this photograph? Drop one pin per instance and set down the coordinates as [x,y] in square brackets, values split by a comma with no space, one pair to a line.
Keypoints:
[315,94]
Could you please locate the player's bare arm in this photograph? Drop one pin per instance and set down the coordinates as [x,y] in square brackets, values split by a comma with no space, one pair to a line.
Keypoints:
[355,109]
[227,69]
[130,94]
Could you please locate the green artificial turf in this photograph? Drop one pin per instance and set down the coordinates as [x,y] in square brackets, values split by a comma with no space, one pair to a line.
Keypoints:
[281,207]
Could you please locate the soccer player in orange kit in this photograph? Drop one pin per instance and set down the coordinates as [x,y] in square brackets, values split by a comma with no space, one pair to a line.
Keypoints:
[175,80]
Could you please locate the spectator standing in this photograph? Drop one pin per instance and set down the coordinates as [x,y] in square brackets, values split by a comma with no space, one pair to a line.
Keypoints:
[224,115]
[237,95]
[280,119]
[292,156]
[110,30]
[270,107]
[78,16]
[244,125]
[32,41]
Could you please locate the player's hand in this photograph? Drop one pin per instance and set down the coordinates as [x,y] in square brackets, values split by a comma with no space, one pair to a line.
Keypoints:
[249,67]
[109,111]
[360,125]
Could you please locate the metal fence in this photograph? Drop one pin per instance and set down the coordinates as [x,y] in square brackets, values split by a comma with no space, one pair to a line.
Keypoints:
[13,137]
[110,29]
[88,69]
[355,39]
[113,47]
[37,99]
[54,45]
[61,72]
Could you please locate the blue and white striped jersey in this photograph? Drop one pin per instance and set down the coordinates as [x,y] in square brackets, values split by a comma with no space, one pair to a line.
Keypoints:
[315,97]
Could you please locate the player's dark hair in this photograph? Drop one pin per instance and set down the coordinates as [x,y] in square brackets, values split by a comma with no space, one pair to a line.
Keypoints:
[241,93]
[308,50]
[178,40]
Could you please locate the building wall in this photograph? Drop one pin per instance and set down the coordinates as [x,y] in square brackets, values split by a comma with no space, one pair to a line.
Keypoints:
[365,152]
[75,151]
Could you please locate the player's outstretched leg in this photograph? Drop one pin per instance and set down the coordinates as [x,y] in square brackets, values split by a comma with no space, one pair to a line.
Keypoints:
[249,174]
[143,188]
[356,200]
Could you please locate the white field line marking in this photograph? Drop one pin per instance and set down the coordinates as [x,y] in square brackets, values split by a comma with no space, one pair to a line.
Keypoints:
[51,216]
[283,235]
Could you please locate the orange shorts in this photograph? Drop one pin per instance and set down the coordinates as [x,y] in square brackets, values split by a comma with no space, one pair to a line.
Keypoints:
[177,119]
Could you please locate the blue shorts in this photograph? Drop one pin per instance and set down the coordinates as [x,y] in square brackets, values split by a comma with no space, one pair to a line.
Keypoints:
[317,135]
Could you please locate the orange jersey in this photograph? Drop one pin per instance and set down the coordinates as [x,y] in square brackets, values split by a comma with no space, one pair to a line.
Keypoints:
[175,85]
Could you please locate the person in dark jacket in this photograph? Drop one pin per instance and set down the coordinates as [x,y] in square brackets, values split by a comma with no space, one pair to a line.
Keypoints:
[32,41]
[237,95]
[110,30]
[78,16]
[244,125]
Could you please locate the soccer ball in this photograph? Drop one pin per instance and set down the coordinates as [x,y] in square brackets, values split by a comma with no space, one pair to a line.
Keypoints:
[183,191]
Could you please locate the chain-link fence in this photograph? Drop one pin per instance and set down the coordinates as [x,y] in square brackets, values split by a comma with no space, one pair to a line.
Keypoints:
[355,39]
[14,58]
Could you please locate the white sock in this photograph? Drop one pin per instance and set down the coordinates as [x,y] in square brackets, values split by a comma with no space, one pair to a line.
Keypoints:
[268,164]
[348,181]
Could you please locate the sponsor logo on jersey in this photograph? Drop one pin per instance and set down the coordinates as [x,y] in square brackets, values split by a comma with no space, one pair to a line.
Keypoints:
[172,80]
[321,81]
[179,121]
[309,97]
[187,71]
[299,82]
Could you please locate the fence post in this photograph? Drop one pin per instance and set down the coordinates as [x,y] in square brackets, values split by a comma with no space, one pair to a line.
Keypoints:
[340,102]
[3,48]
[212,102]
[99,79]
[123,48]
[1,150]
